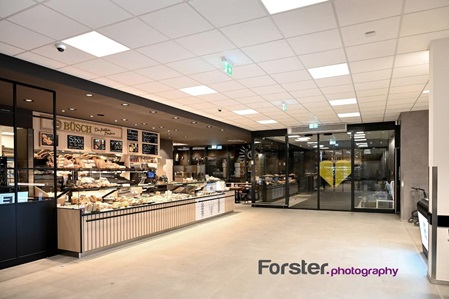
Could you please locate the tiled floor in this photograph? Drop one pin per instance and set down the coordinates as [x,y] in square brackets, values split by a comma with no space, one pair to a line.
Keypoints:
[219,259]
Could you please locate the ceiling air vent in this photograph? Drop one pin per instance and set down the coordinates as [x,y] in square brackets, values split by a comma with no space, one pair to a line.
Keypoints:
[318,128]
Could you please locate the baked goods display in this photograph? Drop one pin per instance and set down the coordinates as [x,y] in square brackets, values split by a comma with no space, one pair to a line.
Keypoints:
[76,161]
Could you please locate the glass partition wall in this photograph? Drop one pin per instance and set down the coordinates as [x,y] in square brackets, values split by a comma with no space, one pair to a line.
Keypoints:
[333,171]
[27,188]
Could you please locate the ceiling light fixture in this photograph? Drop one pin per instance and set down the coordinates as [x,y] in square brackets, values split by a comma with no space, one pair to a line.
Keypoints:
[426,91]
[28,100]
[352,114]
[96,44]
[302,139]
[276,6]
[124,119]
[125,104]
[222,130]
[267,121]
[89,95]
[198,90]
[343,102]
[294,136]
[194,122]
[7,133]
[245,112]
[144,124]
[329,71]
[72,109]
[153,112]
[175,117]
[91,116]
[62,110]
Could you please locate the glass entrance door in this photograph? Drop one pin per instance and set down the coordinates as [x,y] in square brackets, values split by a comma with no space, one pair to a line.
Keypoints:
[335,172]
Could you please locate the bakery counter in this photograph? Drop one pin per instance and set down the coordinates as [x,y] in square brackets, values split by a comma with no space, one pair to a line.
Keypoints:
[82,233]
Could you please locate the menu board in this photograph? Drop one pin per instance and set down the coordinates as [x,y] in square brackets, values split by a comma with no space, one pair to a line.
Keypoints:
[149,137]
[132,135]
[116,146]
[75,142]
[149,149]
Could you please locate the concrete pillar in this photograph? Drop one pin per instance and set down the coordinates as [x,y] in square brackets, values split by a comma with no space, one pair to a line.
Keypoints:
[438,270]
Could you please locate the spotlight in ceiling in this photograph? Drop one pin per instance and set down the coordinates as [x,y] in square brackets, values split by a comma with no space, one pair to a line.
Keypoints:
[28,100]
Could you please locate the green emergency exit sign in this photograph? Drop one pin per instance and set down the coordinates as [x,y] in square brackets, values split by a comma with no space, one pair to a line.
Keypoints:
[227,67]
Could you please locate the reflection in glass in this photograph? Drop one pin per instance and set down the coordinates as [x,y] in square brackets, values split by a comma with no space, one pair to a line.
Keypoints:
[374,170]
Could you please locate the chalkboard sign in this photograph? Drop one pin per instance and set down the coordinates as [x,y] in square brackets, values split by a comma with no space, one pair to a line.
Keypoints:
[149,137]
[75,142]
[116,146]
[133,147]
[47,139]
[149,149]
[98,144]
[133,135]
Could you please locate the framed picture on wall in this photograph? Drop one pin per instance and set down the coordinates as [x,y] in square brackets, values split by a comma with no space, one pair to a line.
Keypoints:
[116,146]
[133,147]
[98,144]
[46,139]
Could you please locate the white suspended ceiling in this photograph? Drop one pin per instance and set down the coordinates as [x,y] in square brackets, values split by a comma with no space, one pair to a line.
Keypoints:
[178,44]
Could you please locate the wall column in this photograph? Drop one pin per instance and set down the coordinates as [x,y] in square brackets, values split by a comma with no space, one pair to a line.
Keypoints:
[438,263]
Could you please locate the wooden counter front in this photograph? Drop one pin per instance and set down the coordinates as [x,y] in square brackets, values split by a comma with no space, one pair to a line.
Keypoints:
[82,233]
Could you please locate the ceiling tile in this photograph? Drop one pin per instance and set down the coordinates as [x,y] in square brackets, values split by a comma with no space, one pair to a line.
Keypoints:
[173,94]
[257,81]
[222,13]
[214,97]
[10,50]
[153,87]
[323,58]
[206,42]
[180,82]
[370,106]
[337,89]
[340,96]
[369,99]
[408,88]
[86,11]
[372,76]
[105,81]
[372,85]
[133,90]
[417,5]
[166,52]
[281,65]
[34,58]
[139,7]
[408,71]
[240,93]
[404,95]
[412,59]
[372,92]
[371,64]
[309,19]
[423,79]
[100,67]
[332,81]
[358,11]
[10,7]
[18,36]
[246,71]
[81,73]
[306,93]
[235,56]
[70,56]
[425,21]
[129,78]
[131,60]
[269,51]
[299,85]
[158,72]
[373,50]
[419,42]
[316,42]
[252,32]
[271,89]
[129,33]
[294,76]
[228,86]
[250,100]
[384,29]
[176,21]
[211,77]
[191,66]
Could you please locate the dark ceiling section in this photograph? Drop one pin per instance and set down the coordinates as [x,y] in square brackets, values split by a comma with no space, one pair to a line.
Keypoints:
[106,105]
